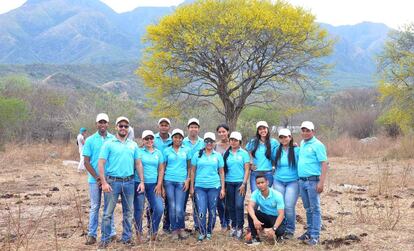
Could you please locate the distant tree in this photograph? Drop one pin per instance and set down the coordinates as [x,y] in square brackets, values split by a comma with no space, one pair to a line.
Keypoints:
[396,64]
[13,112]
[230,54]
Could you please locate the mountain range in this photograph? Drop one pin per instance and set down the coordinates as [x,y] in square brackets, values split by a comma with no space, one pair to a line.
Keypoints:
[76,32]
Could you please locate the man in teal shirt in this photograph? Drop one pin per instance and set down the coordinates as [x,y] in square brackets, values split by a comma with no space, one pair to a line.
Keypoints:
[90,152]
[312,170]
[117,160]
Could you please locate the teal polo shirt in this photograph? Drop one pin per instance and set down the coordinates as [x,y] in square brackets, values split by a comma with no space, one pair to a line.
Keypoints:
[235,165]
[260,161]
[120,157]
[176,163]
[284,172]
[160,144]
[311,154]
[197,146]
[150,164]
[92,149]
[207,167]
[270,204]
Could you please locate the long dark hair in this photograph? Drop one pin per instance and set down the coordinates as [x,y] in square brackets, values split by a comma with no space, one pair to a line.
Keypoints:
[256,142]
[291,154]
[225,157]
[225,126]
[200,153]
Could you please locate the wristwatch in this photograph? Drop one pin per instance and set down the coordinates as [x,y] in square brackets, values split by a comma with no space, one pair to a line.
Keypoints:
[274,228]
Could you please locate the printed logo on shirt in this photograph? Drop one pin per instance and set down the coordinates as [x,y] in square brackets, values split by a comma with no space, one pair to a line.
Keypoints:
[310,149]
[131,147]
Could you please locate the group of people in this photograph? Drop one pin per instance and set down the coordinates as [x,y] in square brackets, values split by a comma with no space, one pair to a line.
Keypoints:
[168,169]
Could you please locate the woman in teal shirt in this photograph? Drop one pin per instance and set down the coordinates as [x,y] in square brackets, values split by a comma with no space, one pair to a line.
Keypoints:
[286,177]
[207,182]
[260,149]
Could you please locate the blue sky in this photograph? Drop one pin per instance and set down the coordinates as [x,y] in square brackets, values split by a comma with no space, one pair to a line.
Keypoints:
[336,12]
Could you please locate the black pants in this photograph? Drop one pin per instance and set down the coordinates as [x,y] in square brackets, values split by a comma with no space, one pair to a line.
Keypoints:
[268,222]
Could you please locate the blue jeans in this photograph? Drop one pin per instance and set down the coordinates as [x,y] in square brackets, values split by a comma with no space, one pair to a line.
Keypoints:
[206,199]
[139,201]
[311,203]
[95,193]
[253,174]
[235,204]
[156,204]
[222,211]
[290,192]
[175,197]
[125,189]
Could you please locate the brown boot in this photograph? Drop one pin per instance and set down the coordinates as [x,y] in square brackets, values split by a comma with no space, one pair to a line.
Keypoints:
[90,240]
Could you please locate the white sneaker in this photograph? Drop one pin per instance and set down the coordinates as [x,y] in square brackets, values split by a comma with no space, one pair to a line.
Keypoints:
[232,232]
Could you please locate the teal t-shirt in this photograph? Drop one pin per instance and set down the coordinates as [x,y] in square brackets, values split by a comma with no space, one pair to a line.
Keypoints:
[269,205]
[206,174]
[260,161]
[197,146]
[92,149]
[311,154]
[176,163]
[284,172]
[235,165]
[120,157]
[160,144]
[150,164]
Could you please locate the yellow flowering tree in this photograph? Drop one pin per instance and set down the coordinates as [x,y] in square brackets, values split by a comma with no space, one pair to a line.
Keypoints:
[230,54]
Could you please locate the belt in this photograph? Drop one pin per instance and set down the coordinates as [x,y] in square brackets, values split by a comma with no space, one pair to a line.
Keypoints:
[120,178]
[310,178]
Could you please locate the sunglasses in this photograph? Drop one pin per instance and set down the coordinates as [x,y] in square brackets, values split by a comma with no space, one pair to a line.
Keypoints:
[149,138]
[208,141]
[123,126]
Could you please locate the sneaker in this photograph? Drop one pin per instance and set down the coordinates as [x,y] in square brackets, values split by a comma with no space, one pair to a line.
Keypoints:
[175,236]
[201,237]
[126,242]
[183,234]
[232,232]
[208,237]
[113,238]
[253,242]
[312,242]
[103,245]
[304,237]
[90,240]
[248,236]
[288,236]
[239,234]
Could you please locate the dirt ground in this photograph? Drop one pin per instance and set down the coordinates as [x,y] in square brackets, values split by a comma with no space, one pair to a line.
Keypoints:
[368,204]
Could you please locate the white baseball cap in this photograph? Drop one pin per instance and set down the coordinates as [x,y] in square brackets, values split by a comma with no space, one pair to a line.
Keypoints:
[285,132]
[308,125]
[193,120]
[177,131]
[147,133]
[102,116]
[164,119]
[262,123]
[119,119]
[209,135]
[236,135]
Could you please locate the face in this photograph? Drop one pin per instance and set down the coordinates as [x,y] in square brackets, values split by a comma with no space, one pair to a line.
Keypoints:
[223,133]
[122,128]
[263,131]
[262,184]
[209,143]
[84,133]
[164,127]
[193,130]
[148,141]
[177,139]
[102,126]
[307,134]
[284,140]
[234,143]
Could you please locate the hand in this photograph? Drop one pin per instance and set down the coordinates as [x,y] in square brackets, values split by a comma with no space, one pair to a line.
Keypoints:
[106,187]
[186,185]
[270,233]
[257,224]
[192,191]
[319,187]
[158,190]
[141,187]
[222,193]
[242,190]
[253,167]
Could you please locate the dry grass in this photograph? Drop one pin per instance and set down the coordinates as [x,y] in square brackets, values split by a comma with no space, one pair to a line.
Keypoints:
[366,195]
